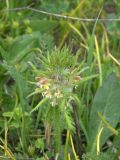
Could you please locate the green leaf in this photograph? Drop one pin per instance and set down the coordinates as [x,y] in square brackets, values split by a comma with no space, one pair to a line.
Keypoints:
[39,143]
[21,47]
[37,91]
[44,26]
[113,28]
[107,103]
[7,114]
[42,158]
[107,124]
[39,104]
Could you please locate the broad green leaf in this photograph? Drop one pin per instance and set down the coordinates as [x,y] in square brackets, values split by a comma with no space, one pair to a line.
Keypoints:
[17,76]
[21,47]
[107,103]
[44,26]
[24,46]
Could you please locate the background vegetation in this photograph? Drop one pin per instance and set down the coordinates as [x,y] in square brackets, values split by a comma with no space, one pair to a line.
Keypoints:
[59,80]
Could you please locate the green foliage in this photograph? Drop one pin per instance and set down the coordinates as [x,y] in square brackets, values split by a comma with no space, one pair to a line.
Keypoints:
[58,76]
[59,59]
[59,72]
[39,144]
[101,156]
[59,6]
[51,69]
[106,102]
[43,26]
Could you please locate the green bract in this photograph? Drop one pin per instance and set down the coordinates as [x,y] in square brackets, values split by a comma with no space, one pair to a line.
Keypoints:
[59,74]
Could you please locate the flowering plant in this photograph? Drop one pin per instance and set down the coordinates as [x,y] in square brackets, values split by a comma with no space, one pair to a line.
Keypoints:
[59,75]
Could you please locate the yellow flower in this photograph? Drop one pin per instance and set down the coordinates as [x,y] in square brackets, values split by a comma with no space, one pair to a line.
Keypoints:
[46,86]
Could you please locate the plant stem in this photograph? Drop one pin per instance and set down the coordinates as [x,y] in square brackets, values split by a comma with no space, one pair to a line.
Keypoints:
[22,102]
[77,126]
[57,130]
